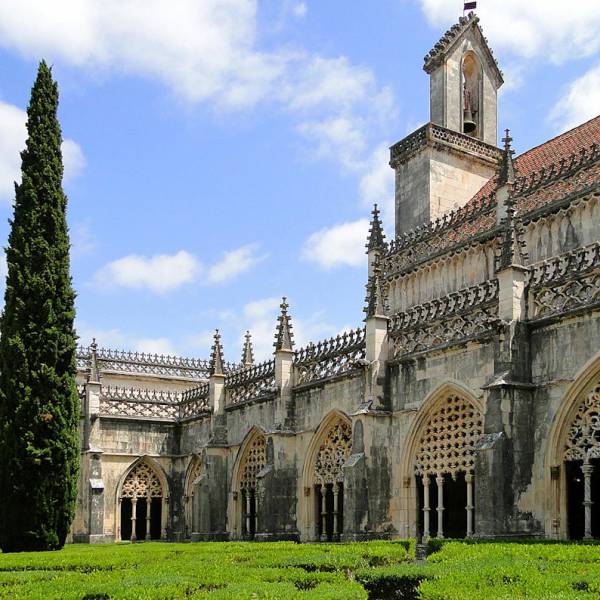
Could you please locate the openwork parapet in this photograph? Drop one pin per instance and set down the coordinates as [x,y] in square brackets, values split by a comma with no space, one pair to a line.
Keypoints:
[146,364]
[454,318]
[330,358]
[134,402]
[565,282]
[253,383]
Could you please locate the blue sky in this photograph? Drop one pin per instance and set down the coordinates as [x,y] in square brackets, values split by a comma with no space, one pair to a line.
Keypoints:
[222,153]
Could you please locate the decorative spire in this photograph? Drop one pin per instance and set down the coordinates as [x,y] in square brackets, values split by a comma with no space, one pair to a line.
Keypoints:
[94,371]
[215,366]
[375,300]
[248,352]
[376,238]
[507,167]
[284,338]
[512,246]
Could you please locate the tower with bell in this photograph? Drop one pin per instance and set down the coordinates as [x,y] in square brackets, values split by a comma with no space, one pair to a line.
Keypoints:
[443,164]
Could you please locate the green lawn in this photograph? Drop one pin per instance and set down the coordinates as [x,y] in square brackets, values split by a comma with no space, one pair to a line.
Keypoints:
[286,570]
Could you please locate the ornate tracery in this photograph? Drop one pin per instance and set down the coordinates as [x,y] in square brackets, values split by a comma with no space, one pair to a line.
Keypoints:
[141,504]
[583,444]
[583,438]
[333,453]
[142,482]
[448,440]
[253,462]
[447,447]
[328,479]
[255,458]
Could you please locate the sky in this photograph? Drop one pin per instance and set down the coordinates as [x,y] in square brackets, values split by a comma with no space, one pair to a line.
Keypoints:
[221,154]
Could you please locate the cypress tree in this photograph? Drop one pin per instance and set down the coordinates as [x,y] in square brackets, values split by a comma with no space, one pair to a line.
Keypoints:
[39,407]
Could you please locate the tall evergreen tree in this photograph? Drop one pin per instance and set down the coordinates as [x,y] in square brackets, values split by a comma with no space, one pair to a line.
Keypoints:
[39,407]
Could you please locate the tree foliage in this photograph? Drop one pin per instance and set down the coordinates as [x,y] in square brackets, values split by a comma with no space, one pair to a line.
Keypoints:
[39,407]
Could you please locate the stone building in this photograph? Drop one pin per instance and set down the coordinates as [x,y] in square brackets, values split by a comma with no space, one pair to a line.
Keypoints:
[466,404]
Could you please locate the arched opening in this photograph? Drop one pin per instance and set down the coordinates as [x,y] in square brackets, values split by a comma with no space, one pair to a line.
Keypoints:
[141,503]
[443,467]
[328,480]
[581,456]
[193,473]
[471,95]
[252,462]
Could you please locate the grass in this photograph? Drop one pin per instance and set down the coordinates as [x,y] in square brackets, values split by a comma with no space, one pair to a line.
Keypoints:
[373,570]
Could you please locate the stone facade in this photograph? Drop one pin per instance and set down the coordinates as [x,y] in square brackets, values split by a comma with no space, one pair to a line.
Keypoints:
[466,404]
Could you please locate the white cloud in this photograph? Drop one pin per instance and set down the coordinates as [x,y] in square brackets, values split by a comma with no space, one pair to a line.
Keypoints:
[209,51]
[260,318]
[550,29]
[73,159]
[161,345]
[581,101]
[377,186]
[160,273]
[234,263]
[12,140]
[118,340]
[299,10]
[83,240]
[342,244]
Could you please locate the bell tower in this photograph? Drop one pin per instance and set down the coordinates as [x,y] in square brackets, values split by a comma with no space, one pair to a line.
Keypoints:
[443,164]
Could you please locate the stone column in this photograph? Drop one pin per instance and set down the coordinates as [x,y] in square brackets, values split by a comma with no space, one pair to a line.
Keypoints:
[323,512]
[336,493]
[426,508]
[148,518]
[469,507]
[133,519]
[248,511]
[587,498]
[440,505]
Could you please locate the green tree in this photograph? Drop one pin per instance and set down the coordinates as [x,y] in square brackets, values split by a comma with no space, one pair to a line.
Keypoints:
[39,407]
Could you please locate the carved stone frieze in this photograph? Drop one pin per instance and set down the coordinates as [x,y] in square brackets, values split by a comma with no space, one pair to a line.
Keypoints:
[565,282]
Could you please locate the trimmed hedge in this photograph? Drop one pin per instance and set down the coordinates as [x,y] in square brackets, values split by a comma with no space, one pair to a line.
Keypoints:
[358,571]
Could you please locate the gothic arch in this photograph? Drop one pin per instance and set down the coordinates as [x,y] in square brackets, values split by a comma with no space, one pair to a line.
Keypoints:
[323,476]
[144,479]
[471,73]
[251,459]
[438,448]
[574,438]
[193,472]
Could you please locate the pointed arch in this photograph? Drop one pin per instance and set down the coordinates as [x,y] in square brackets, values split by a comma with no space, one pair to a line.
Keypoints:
[251,459]
[573,445]
[193,471]
[323,476]
[439,452]
[142,495]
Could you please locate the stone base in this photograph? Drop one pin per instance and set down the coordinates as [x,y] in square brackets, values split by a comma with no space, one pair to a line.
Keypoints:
[86,538]
[210,537]
[277,537]
[365,536]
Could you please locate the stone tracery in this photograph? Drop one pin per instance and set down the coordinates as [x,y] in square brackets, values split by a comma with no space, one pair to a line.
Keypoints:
[254,460]
[448,440]
[142,482]
[332,455]
[583,439]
